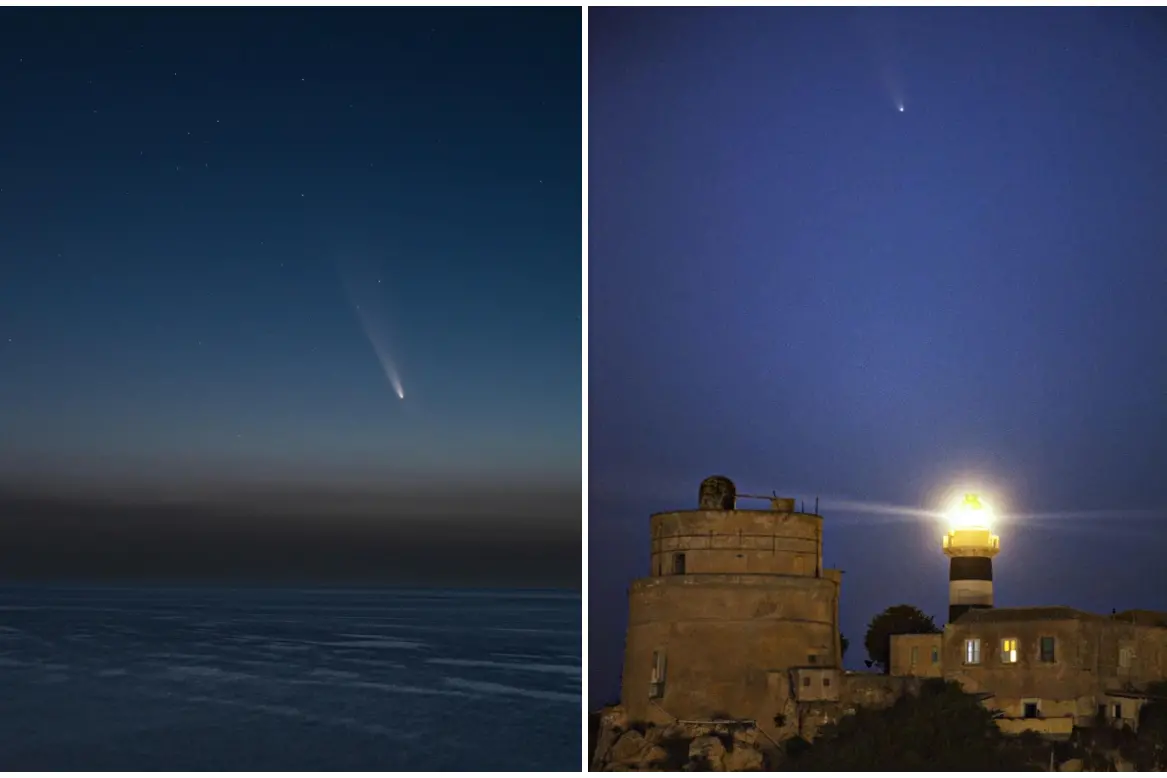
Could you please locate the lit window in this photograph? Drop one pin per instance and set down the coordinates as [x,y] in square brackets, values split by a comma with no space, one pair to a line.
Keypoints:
[1009,651]
[915,654]
[1047,649]
[972,651]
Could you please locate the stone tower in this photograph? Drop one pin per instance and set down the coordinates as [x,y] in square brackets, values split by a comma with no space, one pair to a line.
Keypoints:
[736,618]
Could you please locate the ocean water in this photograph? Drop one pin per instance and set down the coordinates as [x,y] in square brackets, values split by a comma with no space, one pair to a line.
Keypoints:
[288,679]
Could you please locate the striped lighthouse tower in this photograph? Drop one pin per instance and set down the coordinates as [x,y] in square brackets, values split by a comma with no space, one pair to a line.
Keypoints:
[970,545]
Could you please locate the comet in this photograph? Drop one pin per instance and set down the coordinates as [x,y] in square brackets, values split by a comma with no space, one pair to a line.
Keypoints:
[365,292]
[878,33]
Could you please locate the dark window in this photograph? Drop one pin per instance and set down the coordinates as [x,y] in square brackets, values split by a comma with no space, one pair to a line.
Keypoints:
[1031,710]
[1047,649]
[678,564]
[936,656]
[656,685]
[812,658]
[826,680]
[806,680]
[1118,711]
[1101,711]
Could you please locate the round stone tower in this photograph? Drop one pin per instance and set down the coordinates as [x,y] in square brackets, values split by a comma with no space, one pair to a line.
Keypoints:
[737,617]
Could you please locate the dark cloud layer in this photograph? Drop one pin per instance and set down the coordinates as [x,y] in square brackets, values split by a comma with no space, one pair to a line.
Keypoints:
[468,537]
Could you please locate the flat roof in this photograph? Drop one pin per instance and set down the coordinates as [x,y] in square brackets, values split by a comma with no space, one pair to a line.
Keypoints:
[1038,613]
[1145,618]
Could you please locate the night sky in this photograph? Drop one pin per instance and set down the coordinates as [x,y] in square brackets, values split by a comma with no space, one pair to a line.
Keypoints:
[224,234]
[797,285]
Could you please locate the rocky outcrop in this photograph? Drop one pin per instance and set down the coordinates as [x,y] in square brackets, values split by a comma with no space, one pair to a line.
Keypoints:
[622,745]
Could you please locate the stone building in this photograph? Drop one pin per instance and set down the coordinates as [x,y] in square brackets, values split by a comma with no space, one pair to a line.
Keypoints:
[738,619]
[1047,669]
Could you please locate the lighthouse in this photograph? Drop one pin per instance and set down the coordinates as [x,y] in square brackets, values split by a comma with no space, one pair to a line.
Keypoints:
[970,546]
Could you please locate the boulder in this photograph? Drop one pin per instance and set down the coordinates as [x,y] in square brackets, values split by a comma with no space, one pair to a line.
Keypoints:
[628,748]
[707,750]
[743,758]
[606,738]
[1124,766]
[653,757]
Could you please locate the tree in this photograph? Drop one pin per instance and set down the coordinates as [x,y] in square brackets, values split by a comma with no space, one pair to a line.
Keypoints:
[896,620]
[843,644]
[941,729]
[1149,750]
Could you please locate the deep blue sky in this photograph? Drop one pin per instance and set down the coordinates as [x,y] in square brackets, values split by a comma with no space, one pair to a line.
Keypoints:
[797,285]
[179,192]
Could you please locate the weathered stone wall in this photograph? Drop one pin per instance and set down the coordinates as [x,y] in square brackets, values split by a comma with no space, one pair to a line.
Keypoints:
[874,690]
[1062,688]
[728,643]
[757,542]
[869,690]
[912,655]
[1093,657]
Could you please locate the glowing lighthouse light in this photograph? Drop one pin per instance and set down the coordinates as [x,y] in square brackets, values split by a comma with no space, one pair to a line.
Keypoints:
[971,513]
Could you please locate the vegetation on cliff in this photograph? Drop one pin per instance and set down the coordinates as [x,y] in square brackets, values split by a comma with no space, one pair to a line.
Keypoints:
[1145,749]
[942,728]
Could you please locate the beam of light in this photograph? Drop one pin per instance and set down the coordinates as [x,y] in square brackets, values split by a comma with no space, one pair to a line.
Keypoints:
[875,513]
[882,509]
[1133,522]
[1110,516]
[367,306]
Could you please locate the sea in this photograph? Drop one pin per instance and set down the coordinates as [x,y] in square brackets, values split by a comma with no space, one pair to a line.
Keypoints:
[200,678]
